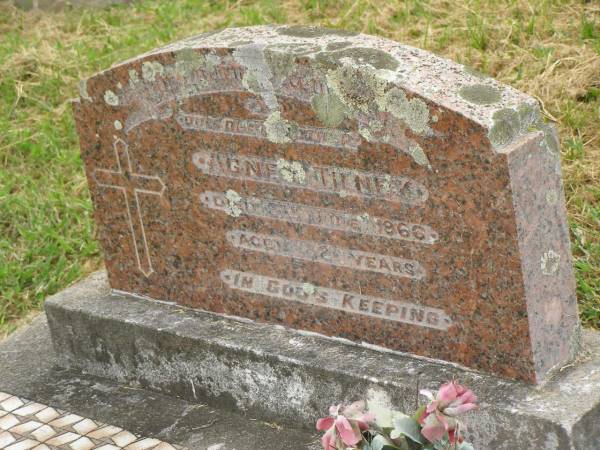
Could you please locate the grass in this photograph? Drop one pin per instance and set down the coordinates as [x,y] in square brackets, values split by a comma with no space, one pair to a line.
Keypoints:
[550,49]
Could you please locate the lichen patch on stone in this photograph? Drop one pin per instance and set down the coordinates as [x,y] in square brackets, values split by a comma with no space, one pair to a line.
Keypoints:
[356,87]
[111,98]
[188,60]
[329,108]
[134,78]
[151,70]
[83,92]
[312,32]
[308,288]
[258,74]
[233,201]
[551,197]
[418,155]
[291,171]
[278,129]
[480,94]
[550,262]
[413,112]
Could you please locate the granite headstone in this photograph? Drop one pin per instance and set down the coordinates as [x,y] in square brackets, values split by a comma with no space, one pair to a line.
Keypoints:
[337,183]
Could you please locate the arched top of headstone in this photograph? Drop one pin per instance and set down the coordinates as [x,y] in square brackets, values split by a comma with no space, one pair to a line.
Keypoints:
[346,75]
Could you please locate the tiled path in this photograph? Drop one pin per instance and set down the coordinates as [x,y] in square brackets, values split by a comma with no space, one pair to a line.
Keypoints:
[28,425]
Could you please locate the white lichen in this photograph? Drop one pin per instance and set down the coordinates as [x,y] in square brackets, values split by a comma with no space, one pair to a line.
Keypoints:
[83,93]
[308,288]
[550,262]
[291,171]
[414,112]
[118,125]
[278,130]
[418,155]
[233,203]
[551,198]
[111,98]
[152,69]
[134,78]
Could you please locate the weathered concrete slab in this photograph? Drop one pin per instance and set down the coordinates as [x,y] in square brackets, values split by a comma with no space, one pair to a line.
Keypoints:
[28,369]
[277,373]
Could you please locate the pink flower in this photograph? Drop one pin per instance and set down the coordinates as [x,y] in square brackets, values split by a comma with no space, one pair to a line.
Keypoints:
[344,427]
[441,413]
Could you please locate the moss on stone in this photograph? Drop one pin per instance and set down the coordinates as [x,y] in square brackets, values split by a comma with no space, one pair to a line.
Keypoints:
[480,94]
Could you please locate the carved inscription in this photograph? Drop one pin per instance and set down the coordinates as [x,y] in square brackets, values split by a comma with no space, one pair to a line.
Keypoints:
[324,253]
[327,218]
[341,300]
[329,179]
[132,185]
[300,134]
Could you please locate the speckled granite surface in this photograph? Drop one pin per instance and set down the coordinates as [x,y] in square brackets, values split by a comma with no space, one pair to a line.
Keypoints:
[336,183]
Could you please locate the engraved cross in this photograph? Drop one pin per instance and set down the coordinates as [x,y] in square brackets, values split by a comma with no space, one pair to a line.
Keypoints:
[132,185]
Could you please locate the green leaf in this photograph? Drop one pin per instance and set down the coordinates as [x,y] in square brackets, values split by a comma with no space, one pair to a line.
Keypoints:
[465,446]
[406,426]
[380,442]
[417,415]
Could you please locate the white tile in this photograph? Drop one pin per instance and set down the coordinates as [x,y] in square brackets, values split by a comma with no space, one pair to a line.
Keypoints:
[4,396]
[143,444]
[164,446]
[46,415]
[8,422]
[85,426]
[43,433]
[82,443]
[63,439]
[11,403]
[23,445]
[65,421]
[6,439]
[124,438]
[104,432]
[108,447]
[25,427]
[30,409]
[42,447]
[3,413]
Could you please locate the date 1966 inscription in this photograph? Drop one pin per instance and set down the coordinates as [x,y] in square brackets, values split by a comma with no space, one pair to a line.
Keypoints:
[341,300]
[327,218]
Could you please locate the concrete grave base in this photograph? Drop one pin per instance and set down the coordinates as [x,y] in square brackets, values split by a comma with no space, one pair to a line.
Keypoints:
[28,370]
[286,376]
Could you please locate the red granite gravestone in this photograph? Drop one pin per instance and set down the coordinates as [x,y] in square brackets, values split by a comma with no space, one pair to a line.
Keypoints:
[337,183]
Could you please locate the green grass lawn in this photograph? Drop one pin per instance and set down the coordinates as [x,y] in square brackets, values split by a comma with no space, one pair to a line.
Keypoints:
[550,49]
